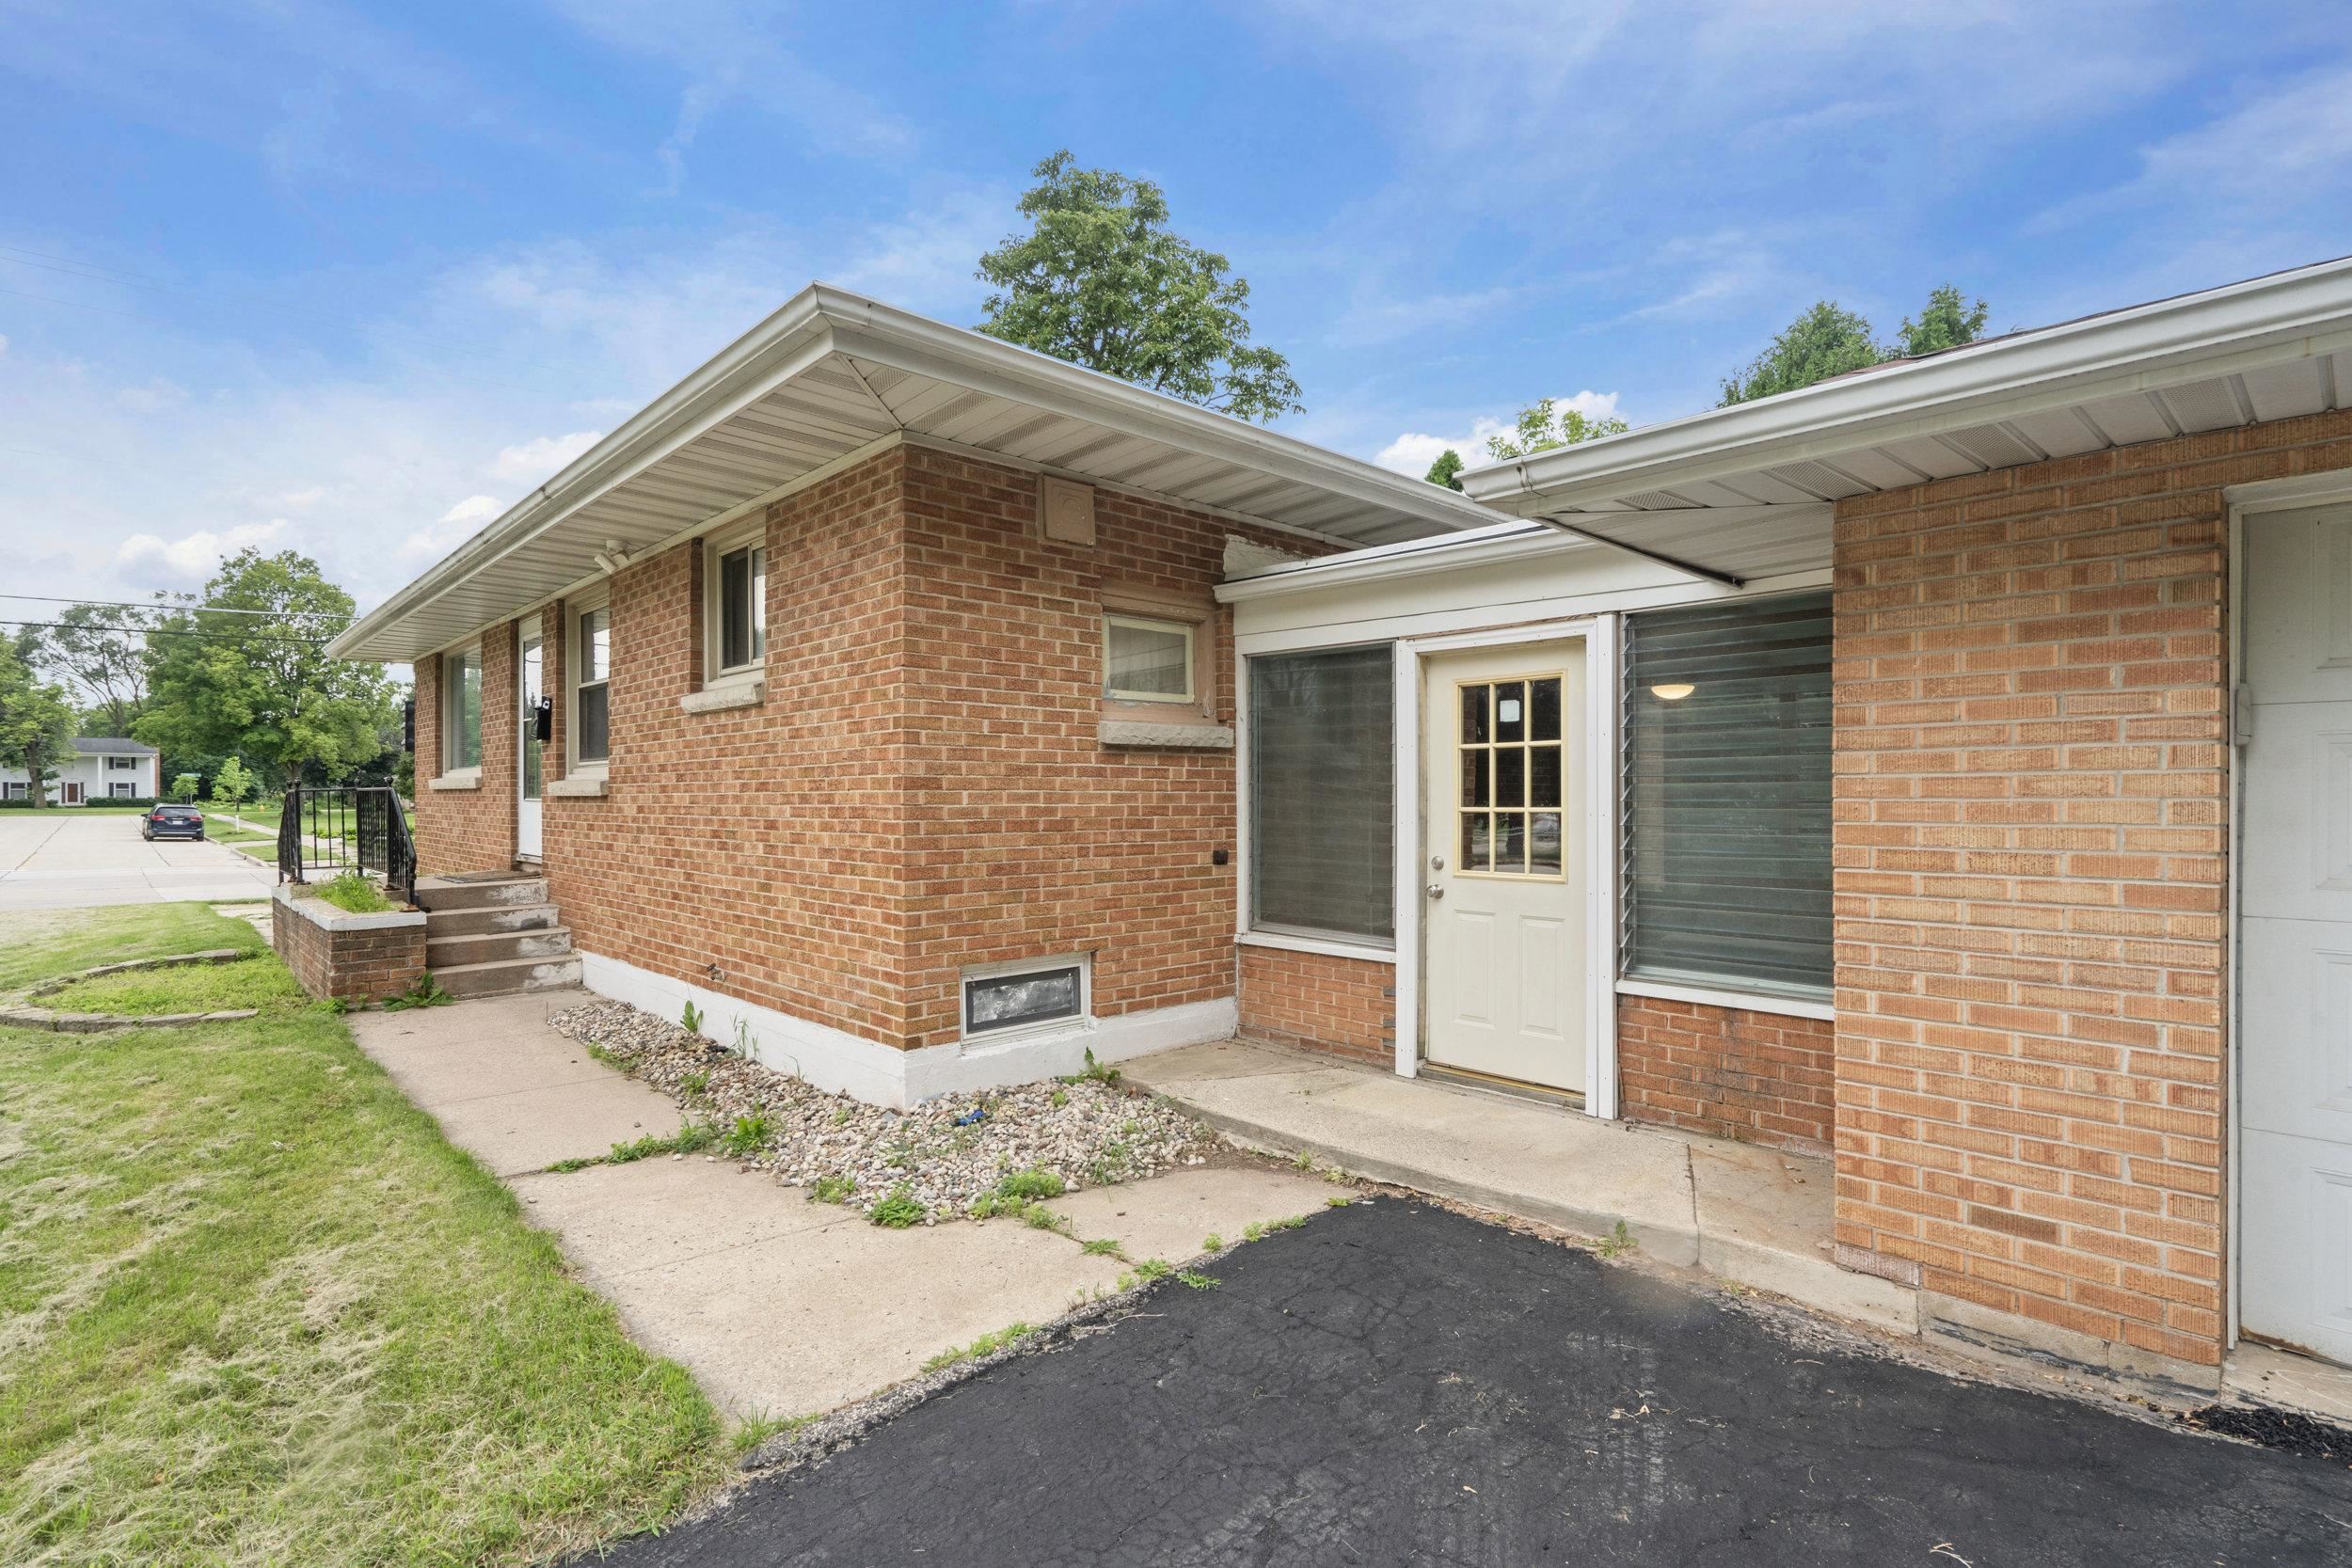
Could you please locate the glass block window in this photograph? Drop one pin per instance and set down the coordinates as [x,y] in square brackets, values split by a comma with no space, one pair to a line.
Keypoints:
[1323,794]
[1726,803]
[1010,1001]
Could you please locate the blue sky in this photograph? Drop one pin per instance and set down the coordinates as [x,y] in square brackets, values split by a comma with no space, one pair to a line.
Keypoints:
[351,278]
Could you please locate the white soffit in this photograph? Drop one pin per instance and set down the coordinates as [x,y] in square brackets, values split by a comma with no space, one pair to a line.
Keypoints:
[831,373]
[1768,472]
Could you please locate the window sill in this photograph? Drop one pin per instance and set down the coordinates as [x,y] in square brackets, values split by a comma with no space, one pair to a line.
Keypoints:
[1174,735]
[1331,947]
[1746,1001]
[576,787]
[464,777]
[727,692]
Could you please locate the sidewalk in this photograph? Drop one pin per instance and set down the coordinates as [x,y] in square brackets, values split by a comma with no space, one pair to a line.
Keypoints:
[778,1305]
[1756,1216]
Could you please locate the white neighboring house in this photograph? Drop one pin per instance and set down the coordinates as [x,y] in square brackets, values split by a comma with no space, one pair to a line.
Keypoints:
[104,768]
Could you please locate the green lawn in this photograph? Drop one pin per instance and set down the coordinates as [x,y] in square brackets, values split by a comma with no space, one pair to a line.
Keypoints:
[254,1309]
[260,981]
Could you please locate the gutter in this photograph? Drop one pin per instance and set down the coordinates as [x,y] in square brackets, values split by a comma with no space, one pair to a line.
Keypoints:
[2304,312]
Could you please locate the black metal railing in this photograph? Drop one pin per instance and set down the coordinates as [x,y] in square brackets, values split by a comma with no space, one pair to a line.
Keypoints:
[334,828]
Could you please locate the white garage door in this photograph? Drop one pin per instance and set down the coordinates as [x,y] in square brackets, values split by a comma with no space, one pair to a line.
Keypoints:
[2295,979]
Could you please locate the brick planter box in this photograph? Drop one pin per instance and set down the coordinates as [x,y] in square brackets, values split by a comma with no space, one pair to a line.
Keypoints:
[358,958]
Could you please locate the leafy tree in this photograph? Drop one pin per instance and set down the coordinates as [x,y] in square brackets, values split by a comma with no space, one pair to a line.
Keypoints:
[231,785]
[1946,323]
[1544,425]
[101,650]
[183,788]
[1826,340]
[261,685]
[1446,470]
[1102,281]
[35,718]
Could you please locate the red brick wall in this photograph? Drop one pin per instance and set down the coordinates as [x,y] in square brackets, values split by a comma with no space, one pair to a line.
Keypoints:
[1341,1006]
[1029,837]
[768,841]
[2029,838]
[357,966]
[469,830]
[1729,1072]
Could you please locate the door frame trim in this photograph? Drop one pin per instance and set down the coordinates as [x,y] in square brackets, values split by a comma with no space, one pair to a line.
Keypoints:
[2245,501]
[1600,633]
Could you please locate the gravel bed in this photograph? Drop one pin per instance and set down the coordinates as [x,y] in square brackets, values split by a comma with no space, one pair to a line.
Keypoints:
[1090,1133]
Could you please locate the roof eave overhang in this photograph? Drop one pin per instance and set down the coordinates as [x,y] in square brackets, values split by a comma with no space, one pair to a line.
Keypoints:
[2301,313]
[821,321]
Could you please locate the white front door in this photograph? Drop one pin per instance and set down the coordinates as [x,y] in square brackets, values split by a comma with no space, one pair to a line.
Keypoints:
[527,809]
[1504,905]
[2295,933]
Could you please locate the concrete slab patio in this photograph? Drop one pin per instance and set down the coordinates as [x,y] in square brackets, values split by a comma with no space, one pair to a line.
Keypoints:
[1756,1216]
[777,1305]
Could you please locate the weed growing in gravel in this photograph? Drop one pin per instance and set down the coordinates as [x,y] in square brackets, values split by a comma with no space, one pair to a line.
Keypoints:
[1303,1160]
[1618,1242]
[748,1135]
[1196,1280]
[1253,1231]
[1102,1247]
[1212,1242]
[598,1054]
[986,1344]
[693,1086]
[1095,1073]
[1155,1268]
[832,1189]
[1038,1217]
[898,1210]
[1059,1098]
[1030,1183]
[691,1019]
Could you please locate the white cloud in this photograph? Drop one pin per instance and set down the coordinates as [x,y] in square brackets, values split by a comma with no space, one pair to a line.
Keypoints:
[3,342]
[457,525]
[192,557]
[541,459]
[1413,452]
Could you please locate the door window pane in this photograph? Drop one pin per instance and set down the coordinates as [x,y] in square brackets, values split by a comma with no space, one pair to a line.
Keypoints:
[1322,793]
[533,692]
[1523,773]
[1147,661]
[1726,804]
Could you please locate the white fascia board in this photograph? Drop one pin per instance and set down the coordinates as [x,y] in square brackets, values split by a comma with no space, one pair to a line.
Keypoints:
[2295,315]
[1413,558]
[823,319]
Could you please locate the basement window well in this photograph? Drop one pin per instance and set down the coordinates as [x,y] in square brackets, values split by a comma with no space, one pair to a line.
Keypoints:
[1004,998]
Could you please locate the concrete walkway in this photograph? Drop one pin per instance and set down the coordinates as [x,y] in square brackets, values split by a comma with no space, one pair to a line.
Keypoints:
[778,1305]
[69,857]
[1753,1215]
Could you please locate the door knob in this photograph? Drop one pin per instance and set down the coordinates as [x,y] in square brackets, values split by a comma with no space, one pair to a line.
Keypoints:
[1436,891]
[1437,863]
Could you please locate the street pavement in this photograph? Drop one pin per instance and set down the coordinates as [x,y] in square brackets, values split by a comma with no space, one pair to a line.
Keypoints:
[65,857]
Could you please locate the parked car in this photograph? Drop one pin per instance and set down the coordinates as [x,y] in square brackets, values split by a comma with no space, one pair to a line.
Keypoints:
[172,822]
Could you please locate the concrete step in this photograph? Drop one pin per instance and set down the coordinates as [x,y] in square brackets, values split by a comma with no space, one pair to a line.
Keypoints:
[547,942]
[449,892]
[493,918]
[505,977]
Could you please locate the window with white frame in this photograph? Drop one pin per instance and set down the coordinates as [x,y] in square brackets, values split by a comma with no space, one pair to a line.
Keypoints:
[123,789]
[1727,774]
[461,711]
[1322,795]
[591,670]
[1007,998]
[1147,660]
[18,791]
[121,765]
[735,609]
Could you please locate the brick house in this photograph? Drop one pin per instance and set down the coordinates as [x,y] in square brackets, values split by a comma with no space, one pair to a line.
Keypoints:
[1915,767]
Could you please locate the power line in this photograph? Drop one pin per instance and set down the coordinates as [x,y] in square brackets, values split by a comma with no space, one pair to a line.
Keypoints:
[166,631]
[169,605]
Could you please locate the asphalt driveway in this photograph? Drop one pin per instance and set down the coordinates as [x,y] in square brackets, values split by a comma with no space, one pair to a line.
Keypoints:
[1393,1383]
[69,858]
